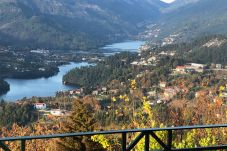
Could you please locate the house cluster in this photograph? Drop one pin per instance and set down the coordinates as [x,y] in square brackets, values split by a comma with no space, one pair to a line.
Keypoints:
[40,51]
[100,91]
[217,66]
[153,58]
[144,47]
[214,43]
[167,93]
[42,107]
[170,93]
[145,62]
[152,30]
[167,53]
[222,93]
[190,68]
[170,39]
[76,93]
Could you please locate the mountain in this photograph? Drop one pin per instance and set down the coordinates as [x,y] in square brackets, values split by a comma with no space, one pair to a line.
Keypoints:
[194,18]
[72,24]
[178,4]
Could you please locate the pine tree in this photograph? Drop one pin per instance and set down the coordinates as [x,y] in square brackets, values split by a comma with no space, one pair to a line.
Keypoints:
[81,120]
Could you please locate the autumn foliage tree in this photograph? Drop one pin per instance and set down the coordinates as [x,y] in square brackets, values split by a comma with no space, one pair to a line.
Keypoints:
[81,120]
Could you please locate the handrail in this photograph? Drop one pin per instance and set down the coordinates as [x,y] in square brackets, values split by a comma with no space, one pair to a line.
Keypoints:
[111,132]
[143,133]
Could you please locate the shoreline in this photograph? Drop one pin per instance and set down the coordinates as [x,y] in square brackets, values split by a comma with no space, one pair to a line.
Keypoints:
[88,60]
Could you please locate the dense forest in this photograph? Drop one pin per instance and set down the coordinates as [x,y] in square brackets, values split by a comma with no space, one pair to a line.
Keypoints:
[4,86]
[114,67]
[22,114]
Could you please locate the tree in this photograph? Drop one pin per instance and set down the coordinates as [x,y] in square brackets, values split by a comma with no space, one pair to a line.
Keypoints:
[81,120]
[4,86]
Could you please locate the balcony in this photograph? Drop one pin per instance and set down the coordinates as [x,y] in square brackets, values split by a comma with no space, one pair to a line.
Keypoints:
[127,146]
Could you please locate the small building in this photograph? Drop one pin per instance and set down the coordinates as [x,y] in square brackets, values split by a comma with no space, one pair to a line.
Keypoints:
[180,70]
[168,53]
[196,65]
[78,92]
[42,69]
[104,89]
[135,63]
[170,92]
[152,59]
[96,92]
[218,66]
[58,112]
[213,66]
[139,75]
[71,92]
[188,70]
[40,106]
[159,101]
[152,93]
[114,91]
[162,84]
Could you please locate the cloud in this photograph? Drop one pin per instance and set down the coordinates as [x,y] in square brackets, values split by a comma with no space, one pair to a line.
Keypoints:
[168,1]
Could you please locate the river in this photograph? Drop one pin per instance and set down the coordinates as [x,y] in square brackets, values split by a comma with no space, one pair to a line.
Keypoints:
[44,87]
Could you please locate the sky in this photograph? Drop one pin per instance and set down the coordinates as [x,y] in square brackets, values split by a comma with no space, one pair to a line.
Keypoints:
[168,1]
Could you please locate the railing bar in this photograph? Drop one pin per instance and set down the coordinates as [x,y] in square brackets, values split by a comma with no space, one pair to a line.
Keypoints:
[202,148]
[169,139]
[133,144]
[23,145]
[109,132]
[147,142]
[4,147]
[124,141]
[159,140]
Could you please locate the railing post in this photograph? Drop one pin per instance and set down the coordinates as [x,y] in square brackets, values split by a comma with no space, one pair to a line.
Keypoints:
[147,141]
[124,141]
[170,139]
[4,147]
[22,145]
[134,143]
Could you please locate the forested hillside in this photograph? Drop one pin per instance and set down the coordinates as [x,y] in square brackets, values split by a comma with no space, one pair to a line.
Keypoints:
[72,24]
[206,50]
[113,68]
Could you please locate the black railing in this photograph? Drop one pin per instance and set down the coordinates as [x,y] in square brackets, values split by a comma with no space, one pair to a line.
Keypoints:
[144,133]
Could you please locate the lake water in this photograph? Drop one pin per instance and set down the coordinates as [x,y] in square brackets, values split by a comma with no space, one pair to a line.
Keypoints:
[41,87]
[44,87]
[131,46]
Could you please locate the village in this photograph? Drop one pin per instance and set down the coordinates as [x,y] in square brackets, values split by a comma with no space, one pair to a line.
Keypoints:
[164,92]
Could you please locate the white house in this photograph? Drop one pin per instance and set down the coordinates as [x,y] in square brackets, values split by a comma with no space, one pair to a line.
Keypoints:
[40,106]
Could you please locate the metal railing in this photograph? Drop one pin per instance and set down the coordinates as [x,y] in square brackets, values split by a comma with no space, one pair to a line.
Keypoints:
[143,133]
